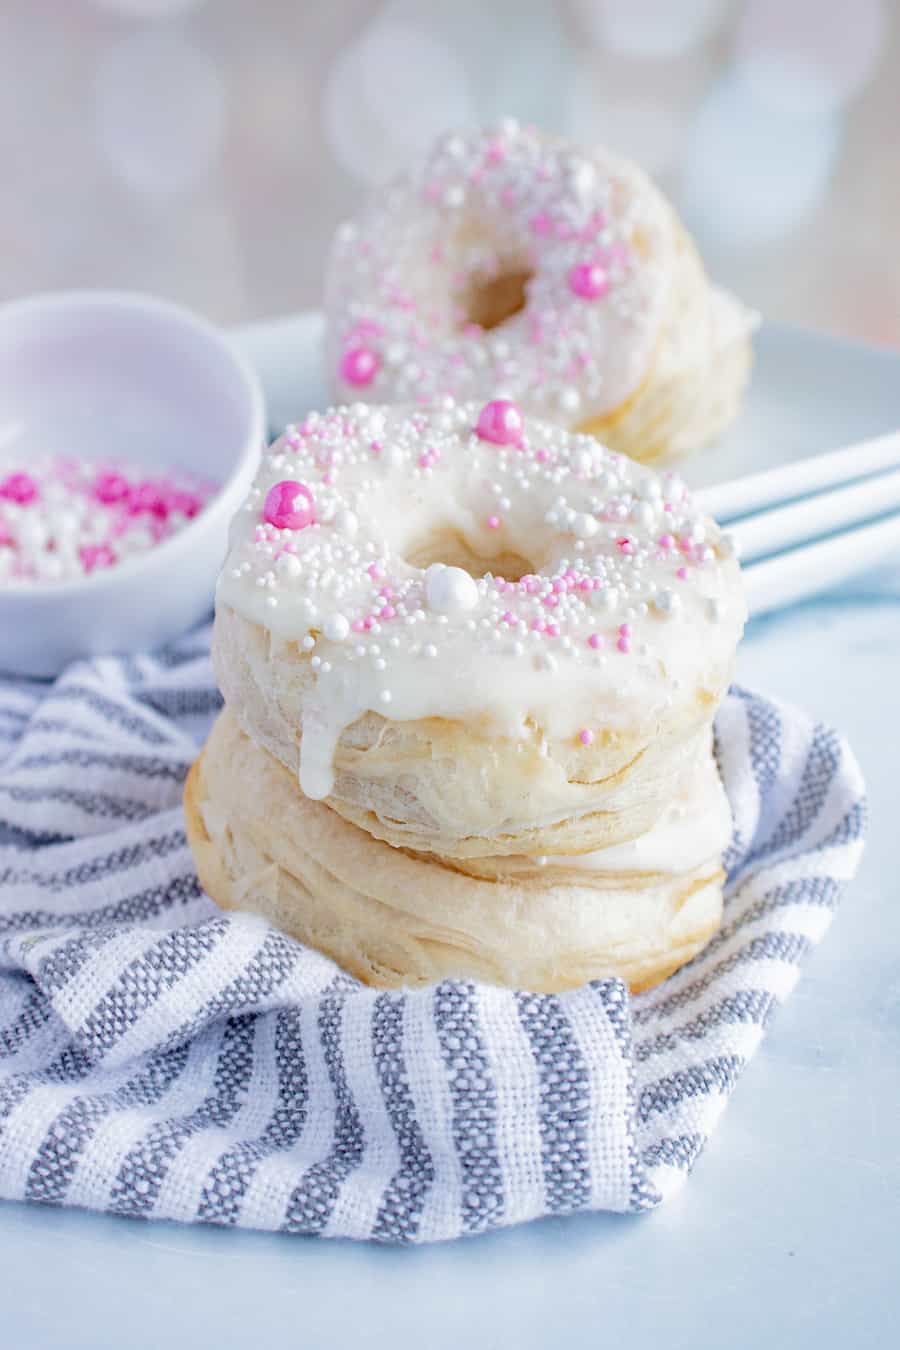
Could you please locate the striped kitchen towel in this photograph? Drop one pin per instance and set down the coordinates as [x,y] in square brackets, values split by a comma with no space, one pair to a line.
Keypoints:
[160,1058]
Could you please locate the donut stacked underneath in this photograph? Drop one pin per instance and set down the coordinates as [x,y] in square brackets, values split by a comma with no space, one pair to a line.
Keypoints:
[470,663]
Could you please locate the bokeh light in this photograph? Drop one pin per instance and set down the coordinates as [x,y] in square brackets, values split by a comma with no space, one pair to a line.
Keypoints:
[160,111]
[389,94]
[808,58]
[750,174]
[650,30]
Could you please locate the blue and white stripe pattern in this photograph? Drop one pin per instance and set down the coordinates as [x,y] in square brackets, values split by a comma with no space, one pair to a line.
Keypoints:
[159,1058]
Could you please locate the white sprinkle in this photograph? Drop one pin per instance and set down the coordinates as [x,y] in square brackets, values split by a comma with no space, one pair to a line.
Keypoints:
[336,627]
[449,590]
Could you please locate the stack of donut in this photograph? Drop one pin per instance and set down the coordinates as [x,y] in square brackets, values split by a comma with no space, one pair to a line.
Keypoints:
[470,662]
[509,262]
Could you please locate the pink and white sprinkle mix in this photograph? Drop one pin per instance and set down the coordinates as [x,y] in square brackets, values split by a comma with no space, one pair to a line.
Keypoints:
[63,519]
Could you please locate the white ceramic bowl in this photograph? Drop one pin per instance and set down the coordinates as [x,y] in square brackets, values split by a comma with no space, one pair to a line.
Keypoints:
[109,375]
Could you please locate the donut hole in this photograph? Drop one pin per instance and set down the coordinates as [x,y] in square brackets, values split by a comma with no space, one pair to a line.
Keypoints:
[490,302]
[450,547]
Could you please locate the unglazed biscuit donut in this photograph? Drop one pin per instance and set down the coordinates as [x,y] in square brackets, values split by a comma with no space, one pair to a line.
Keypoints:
[509,261]
[397,918]
[545,693]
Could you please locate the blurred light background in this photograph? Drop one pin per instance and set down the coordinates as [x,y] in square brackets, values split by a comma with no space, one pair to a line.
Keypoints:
[205,149]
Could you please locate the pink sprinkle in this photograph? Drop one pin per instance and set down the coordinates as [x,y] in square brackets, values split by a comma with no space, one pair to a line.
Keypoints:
[368,621]
[387,592]
[538,626]
[682,574]
[387,612]
[553,630]
[625,630]
[558,586]
[188,503]
[585,736]
[289,506]
[360,365]
[500,422]
[595,641]
[111,487]
[19,487]
[493,522]
[508,617]
[374,571]
[146,497]
[588,281]
[550,601]
[667,540]
[375,447]
[541,223]
[94,556]
[585,584]
[625,545]
[624,645]
[358,626]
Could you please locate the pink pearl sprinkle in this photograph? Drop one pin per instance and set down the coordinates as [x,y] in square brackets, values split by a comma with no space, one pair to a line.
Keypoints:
[625,630]
[625,545]
[585,736]
[111,487]
[667,540]
[624,645]
[589,281]
[508,617]
[358,626]
[538,626]
[595,641]
[360,365]
[493,522]
[387,612]
[374,571]
[500,422]
[289,505]
[682,574]
[19,487]
[552,630]
[94,556]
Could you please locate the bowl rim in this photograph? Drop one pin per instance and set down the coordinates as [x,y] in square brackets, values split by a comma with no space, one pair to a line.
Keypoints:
[226,496]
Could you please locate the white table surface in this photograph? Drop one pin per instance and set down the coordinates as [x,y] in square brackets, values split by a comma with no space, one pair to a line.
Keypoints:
[785,1235]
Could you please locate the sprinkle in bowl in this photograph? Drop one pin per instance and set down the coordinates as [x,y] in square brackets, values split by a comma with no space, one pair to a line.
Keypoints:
[131,429]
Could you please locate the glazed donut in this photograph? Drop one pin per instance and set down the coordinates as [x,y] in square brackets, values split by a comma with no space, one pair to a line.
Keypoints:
[472,633]
[507,261]
[393,918]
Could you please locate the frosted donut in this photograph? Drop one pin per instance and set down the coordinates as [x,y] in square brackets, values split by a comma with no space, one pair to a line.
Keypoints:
[396,918]
[505,260]
[472,633]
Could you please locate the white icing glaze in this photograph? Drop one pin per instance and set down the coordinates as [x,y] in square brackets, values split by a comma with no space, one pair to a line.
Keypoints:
[480,206]
[576,644]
